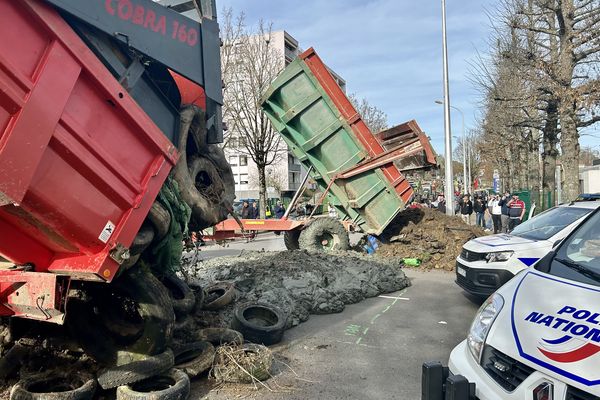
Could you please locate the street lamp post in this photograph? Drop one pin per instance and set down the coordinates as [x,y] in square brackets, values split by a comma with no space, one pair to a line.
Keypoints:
[447,130]
[464,146]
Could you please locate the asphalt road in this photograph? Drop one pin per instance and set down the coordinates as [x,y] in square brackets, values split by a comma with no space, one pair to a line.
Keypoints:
[372,350]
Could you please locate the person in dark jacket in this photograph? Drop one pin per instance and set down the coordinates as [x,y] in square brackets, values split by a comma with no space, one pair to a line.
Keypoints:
[441,205]
[279,210]
[503,203]
[246,211]
[466,209]
[254,212]
[479,209]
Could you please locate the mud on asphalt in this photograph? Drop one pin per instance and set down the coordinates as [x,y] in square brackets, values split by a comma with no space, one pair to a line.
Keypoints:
[300,283]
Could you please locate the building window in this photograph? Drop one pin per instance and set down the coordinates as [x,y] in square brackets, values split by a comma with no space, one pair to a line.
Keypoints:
[243,161]
[233,161]
[243,179]
[232,143]
[290,47]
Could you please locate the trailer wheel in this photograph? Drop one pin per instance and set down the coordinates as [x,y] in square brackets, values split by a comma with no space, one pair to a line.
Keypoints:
[324,234]
[290,239]
[55,385]
[172,385]
[124,321]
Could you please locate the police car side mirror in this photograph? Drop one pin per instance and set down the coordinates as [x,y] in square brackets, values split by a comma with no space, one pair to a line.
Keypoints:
[559,241]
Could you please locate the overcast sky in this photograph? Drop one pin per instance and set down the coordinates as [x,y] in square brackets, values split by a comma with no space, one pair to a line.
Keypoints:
[389,51]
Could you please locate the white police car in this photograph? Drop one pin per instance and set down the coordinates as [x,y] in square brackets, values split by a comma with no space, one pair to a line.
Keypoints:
[538,336]
[487,262]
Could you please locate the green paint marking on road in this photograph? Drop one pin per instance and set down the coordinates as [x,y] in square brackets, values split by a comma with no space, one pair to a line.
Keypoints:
[366,330]
[352,329]
[374,318]
[358,340]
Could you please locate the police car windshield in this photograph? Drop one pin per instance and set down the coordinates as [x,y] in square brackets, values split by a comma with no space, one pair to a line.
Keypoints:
[549,223]
[578,258]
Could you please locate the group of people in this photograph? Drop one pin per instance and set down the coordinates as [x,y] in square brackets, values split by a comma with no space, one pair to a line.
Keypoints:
[251,211]
[506,212]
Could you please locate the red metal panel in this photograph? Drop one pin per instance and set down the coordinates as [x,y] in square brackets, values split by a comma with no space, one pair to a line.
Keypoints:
[349,113]
[77,154]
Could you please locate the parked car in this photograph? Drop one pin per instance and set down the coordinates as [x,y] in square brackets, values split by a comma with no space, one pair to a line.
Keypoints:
[588,197]
[538,336]
[487,262]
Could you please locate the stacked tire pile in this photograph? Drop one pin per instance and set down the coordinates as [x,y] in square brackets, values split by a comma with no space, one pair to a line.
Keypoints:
[132,337]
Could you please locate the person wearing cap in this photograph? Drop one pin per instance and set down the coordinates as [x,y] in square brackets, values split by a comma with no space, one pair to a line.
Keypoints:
[516,211]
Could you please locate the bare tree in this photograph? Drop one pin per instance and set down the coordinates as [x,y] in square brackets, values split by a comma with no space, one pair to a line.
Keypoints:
[251,64]
[539,86]
[375,118]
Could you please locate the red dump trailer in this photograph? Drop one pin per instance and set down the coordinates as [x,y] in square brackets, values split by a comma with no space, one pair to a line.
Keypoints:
[86,142]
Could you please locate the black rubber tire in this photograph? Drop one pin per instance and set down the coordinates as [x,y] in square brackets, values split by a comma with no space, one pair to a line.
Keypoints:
[116,339]
[136,371]
[195,358]
[160,219]
[182,297]
[220,336]
[259,323]
[324,229]
[290,239]
[199,293]
[183,325]
[225,292]
[142,240]
[67,385]
[172,385]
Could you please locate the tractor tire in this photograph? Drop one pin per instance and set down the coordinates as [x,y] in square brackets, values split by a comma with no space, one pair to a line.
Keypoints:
[55,385]
[181,295]
[172,385]
[135,371]
[324,234]
[290,239]
[195,172]
[124,321]
[259,323]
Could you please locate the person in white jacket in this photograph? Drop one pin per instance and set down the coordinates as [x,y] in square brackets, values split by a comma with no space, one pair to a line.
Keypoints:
[496,213]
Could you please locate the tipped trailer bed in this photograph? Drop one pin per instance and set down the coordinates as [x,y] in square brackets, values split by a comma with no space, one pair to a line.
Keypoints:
[355,169]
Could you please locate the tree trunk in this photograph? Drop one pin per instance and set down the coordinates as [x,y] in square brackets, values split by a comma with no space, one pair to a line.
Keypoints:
[262,190]
[533,162]
[569,137]
[569,144]
[549,154]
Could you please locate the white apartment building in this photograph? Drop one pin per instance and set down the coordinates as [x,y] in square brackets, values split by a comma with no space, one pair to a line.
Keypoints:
[284,175]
